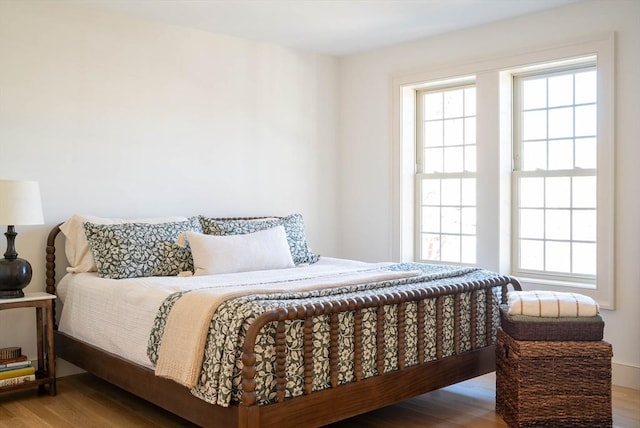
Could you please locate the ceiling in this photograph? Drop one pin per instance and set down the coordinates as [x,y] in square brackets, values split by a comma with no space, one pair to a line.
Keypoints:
[333,27]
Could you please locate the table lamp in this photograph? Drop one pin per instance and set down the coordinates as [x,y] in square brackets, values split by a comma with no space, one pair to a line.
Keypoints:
[19,205]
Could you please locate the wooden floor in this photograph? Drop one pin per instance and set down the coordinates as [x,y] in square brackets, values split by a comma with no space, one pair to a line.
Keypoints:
[85,401]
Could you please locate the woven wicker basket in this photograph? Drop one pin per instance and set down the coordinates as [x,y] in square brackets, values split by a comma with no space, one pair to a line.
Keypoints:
[553,384]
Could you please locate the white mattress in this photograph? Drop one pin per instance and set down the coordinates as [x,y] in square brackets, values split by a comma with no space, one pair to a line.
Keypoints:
[117,315]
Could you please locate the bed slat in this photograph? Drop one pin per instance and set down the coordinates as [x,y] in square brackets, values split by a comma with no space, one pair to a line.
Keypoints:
[380,339]
[333,349]
[308,352]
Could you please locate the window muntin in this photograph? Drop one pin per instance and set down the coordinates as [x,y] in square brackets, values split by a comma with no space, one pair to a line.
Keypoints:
[445,179]
[555,154]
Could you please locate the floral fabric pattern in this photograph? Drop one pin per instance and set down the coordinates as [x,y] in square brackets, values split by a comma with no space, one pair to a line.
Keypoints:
[220,378]
[293,226]
[133,250]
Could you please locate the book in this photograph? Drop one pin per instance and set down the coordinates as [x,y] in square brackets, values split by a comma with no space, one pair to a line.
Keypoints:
[15,365]
[24,371]
[17,380]
[5,361]
[10,352]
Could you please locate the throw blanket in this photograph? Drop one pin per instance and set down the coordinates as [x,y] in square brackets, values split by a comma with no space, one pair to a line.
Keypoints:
[182,348]
[219,381]
[551,304]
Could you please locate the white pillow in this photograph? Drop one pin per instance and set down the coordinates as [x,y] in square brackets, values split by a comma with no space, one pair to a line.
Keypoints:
[266,249]
[77,247]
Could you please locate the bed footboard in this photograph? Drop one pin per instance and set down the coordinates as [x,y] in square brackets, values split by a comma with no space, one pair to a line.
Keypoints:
[339,401]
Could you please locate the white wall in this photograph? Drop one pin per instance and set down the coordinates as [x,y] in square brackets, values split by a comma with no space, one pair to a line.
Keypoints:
[117,116]
[122,117]
[366,138]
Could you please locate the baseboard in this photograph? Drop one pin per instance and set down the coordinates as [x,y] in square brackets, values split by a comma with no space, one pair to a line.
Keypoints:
[626,376]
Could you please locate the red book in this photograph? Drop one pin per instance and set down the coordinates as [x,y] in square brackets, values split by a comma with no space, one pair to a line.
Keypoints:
[19,359]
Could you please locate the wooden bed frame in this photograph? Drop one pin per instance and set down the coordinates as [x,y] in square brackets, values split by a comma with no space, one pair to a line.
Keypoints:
[314,408]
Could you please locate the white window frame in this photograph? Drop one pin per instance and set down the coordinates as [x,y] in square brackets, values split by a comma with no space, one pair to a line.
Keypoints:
[420,174]
[581,280]
[494,115]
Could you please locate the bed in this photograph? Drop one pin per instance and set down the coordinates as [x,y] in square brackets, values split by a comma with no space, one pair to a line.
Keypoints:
[309,357]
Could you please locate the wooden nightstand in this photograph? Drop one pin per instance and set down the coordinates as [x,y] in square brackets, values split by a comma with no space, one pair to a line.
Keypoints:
[46,369]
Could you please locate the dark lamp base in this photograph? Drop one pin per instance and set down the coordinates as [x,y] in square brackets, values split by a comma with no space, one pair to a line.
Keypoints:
[15,274]
[11,294]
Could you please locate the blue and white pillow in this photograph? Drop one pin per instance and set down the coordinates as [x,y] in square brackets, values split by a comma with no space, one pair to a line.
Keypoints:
[293,226]
[133,250]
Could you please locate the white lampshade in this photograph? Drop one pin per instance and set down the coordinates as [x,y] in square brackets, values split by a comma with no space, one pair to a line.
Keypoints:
[20,203]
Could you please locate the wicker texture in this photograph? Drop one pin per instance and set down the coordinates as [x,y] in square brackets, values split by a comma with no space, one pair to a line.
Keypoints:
[553,384]
[552,329]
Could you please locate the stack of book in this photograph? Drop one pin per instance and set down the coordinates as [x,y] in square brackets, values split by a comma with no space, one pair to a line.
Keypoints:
[15,368]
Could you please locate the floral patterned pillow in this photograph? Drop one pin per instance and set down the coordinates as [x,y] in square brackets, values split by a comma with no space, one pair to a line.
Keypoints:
[293,226]
[133,250]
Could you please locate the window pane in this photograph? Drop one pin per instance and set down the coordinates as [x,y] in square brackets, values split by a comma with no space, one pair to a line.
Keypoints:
[433,108]
[454,132]
[453,160]
[561,154]
[431,219]
[451,191]
[558,224]
[534,155]
[584,258]
[586,121]
[468,226]
[470,130]
[453,103]
[535,93]
[534,125]
[532,224]
[433,160]
[584,225]
[561,90]
[430,247]
[468,196]
[584,192]
[531,255]
[561,122]
[450,220]
[532,192]
[433,136]
[558,256]
[468,249]
[558,192]
[470,158]
[450,248]
[430,192]
[586,153]
[586,87]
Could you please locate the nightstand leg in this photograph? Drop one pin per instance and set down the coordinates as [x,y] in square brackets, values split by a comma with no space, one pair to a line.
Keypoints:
[40,338]
[51,353]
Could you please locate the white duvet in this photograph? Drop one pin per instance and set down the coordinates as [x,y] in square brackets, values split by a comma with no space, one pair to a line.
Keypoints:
[117,315]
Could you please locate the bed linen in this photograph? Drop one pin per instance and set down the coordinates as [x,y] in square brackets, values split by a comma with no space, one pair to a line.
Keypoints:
[144,304]
[118,315]
[185,329]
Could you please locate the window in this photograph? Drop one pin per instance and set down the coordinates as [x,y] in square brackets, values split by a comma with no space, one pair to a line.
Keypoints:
[508,164]
[445,179]
[554,178]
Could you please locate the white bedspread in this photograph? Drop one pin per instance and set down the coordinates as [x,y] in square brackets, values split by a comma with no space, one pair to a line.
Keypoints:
[117,315]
